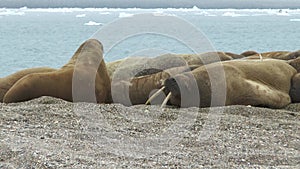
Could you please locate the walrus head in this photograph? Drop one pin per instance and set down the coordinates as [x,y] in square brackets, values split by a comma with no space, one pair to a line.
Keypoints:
[183,90]
[295,63]
[295,89]
[249,53]
[233,55]
[294,55]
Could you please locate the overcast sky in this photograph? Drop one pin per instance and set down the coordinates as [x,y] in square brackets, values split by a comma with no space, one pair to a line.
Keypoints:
[152,3]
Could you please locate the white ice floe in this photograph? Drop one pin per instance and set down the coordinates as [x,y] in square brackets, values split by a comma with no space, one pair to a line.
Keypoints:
[295,20]
[10,12]
[125,15]
[104,13]
[233,14]
[80,15]
[128,12]
[92,23]
[204,13]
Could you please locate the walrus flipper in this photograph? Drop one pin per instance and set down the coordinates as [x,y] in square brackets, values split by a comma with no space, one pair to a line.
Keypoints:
[7,82]
[84,73]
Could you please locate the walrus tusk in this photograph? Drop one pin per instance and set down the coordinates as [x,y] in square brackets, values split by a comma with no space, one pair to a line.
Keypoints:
[166,100]
[155,95]
[260,57]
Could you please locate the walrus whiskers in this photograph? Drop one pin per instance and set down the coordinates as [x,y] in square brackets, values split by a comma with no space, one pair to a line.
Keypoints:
[155,95]
[166,100]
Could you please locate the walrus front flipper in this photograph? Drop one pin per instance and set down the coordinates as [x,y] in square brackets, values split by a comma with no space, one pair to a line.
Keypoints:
[7,82]
[35,85]
[83,79]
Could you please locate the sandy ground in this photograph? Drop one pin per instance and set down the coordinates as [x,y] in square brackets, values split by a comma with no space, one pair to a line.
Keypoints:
[51,133]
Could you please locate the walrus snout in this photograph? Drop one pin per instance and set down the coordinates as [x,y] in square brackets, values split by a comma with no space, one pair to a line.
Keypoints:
[294,55]
[172,86]
[183,89]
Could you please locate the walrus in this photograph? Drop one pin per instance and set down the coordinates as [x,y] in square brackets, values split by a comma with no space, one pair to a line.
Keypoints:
[138,89]
[137,77]
[249,82]
[7,82]
[163,62]
[249,53]
[295,83]
[85,70]
[295,89]
[282,55]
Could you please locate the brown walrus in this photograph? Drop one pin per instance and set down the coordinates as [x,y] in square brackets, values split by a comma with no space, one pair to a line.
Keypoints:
[81,79]
[137,90]
[282,55]
[295,86]
[7,82]
[163,62]
[249,53]
[136,78]
[249,82]
[295,89]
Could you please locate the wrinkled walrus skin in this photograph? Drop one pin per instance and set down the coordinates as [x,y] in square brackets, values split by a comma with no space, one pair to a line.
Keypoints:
[251,82]
[60,83]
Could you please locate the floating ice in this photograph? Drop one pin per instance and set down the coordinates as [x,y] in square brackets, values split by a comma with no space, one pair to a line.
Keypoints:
[232,14]
[92,23]
[295,20]
[204,13]
[195,8]
[128,12]
[125,15]
[80,15]
[104,13]
[283,13]
[10,12]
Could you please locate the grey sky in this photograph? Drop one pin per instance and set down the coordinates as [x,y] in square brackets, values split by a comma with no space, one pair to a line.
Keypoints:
[152,3]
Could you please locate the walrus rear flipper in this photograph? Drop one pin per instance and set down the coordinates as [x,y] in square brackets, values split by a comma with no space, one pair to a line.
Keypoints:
[85,74]
[40,84]
[7,82]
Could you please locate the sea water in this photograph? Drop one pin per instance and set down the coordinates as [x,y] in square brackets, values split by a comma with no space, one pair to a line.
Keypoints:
[49,37]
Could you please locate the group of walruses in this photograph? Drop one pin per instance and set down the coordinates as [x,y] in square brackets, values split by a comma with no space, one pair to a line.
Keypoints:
[200,80]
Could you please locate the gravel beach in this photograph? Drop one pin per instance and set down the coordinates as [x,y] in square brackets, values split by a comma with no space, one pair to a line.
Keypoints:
[52,133]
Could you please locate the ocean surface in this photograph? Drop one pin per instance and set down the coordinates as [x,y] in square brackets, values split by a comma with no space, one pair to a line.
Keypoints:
[49,37]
